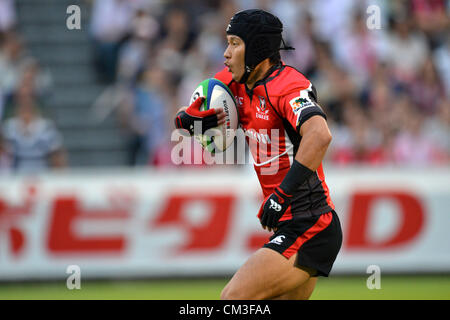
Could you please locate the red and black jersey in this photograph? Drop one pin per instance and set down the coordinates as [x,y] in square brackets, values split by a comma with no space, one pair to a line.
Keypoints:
[271,115]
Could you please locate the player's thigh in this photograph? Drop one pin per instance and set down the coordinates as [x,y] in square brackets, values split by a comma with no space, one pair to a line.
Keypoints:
[302,292]
[265,275]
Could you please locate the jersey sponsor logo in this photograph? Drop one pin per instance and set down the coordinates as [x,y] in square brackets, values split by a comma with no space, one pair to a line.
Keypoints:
[302,102]
[261,110]
[298,104]
[278,240]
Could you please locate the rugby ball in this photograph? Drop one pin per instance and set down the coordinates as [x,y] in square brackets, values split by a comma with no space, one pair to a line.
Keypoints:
[217,95]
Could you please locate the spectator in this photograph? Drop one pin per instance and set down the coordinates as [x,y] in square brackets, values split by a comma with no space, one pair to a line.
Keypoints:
[177,38]
[407,51]
[143,115]
[13,60]
[39,80]
[427,90]
[5,163]
[441,58]
[17,67]
[32,142]
[110,24]
[303,59]
[431,17]
[337,14]
[2,104]
[358,50]
[437,129]
[7,15]
[411,145]
[134,52]
[356,141]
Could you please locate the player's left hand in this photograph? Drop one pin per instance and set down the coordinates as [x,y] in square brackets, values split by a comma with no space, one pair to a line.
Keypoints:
[208,119]
[273,207]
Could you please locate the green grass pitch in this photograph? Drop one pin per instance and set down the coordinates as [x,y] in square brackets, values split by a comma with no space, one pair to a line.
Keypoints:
[333,288]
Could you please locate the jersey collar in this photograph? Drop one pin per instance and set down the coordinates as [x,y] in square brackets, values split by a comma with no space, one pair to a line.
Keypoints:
[270,75]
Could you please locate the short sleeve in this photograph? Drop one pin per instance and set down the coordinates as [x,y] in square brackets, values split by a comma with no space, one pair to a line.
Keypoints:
[300,105]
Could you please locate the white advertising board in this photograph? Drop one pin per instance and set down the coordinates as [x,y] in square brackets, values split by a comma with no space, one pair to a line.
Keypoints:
[203,222]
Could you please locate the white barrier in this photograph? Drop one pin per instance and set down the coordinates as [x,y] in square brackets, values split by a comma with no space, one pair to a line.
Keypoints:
[203,222]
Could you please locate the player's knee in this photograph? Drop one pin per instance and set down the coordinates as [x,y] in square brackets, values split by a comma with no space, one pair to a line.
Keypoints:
[223,294]
[230,293]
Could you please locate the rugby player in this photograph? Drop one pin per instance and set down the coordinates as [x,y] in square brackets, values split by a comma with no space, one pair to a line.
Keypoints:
[278,100]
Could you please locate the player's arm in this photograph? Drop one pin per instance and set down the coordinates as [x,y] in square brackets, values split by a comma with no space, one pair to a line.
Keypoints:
[316,137]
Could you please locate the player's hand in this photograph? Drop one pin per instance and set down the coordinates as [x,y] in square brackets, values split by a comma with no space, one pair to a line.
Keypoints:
[212,118]
[273,207]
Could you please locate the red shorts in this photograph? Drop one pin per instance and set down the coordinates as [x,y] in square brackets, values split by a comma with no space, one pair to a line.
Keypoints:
[316,240]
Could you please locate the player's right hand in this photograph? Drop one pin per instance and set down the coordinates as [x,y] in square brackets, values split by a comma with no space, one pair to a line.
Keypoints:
[273,207]
[186,118]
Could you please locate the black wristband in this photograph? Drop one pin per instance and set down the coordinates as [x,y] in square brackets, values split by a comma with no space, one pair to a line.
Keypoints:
[296,176]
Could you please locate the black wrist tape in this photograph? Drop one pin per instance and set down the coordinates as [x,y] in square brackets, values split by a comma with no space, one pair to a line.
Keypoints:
[296,176]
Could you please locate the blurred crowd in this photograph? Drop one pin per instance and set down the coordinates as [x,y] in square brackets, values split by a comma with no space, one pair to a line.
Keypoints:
[29,142]
[385,88]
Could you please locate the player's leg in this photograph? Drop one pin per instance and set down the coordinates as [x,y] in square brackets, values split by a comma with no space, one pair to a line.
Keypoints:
[303,292]
[265,275]
[279,268]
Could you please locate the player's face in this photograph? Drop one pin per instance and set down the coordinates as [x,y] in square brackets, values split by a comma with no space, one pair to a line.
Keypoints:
[235,57]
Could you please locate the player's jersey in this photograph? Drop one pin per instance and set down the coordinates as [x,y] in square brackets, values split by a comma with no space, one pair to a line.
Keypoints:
[271,115]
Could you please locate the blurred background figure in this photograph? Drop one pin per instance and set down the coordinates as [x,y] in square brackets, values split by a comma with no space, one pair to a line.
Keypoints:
[111,21]
[31,142]
[143,114]
[8,17]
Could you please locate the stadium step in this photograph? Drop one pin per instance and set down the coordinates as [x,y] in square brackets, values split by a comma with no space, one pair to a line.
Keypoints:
[97,158]
[67,55]
[80,118]
[63,55]
[30,12]
[93,139]
[53,34]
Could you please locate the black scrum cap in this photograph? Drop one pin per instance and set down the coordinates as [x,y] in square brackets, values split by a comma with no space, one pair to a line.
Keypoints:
[261,33]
